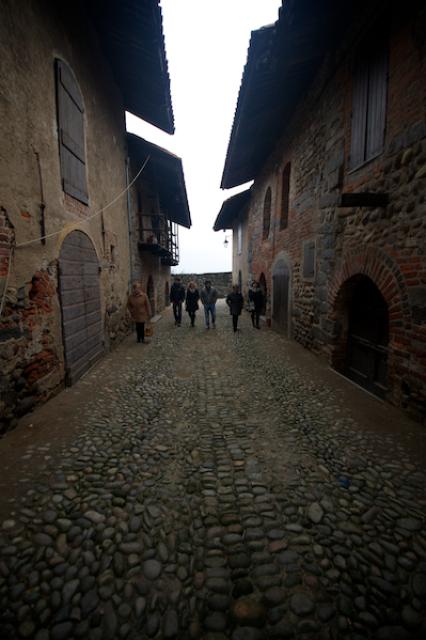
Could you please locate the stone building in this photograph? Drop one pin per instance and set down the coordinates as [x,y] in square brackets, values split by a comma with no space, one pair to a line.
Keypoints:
[330,125]
[68,72]
[158,205]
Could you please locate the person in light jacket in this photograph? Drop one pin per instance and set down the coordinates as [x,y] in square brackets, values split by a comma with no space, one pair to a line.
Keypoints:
[140,309]
[191,301]
[235,302]
[209,299]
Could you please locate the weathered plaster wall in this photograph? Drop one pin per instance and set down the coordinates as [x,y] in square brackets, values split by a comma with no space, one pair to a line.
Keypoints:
[32,35]
[389,243]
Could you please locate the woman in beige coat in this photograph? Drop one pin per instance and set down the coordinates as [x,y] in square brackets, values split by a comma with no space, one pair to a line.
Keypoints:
[140,309]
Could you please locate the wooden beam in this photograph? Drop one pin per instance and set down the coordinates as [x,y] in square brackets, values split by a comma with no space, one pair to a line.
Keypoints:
[364,199]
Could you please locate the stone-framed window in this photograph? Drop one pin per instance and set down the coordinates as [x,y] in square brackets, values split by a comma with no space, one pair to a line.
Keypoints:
[71,134]
[285,196]
[369,96]
[267,204]
[309,251]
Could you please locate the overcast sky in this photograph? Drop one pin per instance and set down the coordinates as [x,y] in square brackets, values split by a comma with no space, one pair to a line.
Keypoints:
[206,47]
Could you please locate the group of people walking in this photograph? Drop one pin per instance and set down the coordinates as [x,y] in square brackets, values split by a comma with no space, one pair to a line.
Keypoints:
[140,309]
[191,297]
[208,298]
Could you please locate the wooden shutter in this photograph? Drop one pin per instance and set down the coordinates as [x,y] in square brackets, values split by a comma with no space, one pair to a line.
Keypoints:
[359,113]
[309,259]
[71,133]
[267,213]
[285,197]
[376,108]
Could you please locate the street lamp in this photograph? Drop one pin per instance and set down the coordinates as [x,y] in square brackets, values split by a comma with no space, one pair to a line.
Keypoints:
[226,242]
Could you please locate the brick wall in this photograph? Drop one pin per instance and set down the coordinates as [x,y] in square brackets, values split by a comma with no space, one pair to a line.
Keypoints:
[386,244]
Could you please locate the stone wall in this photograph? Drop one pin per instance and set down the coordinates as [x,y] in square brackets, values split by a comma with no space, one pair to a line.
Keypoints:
[220,281]
[31,349]
[387,244]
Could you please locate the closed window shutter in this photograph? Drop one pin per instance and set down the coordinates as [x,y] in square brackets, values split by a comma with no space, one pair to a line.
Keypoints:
[285,197]
[359,114]
[267,213]
[71,134]
[376,109]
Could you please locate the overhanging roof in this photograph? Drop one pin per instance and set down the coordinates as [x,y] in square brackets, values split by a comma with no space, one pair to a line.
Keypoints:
[166,171]
[131,35]
[230,209]
[282,60]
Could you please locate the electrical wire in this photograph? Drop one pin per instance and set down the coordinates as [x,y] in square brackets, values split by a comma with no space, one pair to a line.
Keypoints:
[97,213]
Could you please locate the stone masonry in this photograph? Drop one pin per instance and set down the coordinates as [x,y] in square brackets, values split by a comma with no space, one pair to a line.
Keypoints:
[387,243]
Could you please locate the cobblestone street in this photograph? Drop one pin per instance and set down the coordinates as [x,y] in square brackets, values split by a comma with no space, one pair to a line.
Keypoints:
[209,485]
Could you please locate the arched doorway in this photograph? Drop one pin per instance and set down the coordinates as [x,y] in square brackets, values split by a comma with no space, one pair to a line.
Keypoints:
[264,289]
[280,296]
[80,300]
[364,317]
[150,292]
[167,294]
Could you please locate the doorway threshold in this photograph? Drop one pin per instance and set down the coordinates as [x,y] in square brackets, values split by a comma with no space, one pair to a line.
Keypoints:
[358,386]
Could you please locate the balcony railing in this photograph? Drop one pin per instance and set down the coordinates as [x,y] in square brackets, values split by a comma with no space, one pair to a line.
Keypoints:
[159,236]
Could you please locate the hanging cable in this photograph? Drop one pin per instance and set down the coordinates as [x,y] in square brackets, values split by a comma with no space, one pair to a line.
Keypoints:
[97,213]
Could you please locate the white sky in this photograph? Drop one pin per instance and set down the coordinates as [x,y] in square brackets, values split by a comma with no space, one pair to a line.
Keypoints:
[206,47]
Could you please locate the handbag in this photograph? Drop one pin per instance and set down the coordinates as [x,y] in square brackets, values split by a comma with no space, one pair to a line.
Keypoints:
[149,330]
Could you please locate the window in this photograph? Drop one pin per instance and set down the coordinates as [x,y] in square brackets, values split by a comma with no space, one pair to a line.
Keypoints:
[71,133]
[285,196]
[369,91]
[240,238]
[267,213]
[309,259]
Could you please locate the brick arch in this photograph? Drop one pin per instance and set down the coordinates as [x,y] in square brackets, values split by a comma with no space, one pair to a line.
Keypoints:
[384,272]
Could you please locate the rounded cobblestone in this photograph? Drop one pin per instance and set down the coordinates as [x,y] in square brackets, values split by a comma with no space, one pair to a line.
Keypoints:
[234,498]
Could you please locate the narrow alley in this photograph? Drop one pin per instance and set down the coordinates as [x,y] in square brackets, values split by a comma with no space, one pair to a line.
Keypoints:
[213,485]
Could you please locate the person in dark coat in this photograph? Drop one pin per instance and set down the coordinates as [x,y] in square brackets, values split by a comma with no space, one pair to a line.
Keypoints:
[257,302]
[235,302]
[191,301]
[177,296]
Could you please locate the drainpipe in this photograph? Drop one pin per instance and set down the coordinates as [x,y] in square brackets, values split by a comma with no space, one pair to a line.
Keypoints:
[129,224]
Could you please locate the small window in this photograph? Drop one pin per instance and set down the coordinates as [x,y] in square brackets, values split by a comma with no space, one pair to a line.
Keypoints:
[267,213]
[369,93]
[285,196]
[240,238]
[309,259]
[71,133]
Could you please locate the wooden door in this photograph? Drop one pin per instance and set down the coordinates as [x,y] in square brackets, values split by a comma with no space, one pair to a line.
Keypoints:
[81,305]
[280,296]
[366,361]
